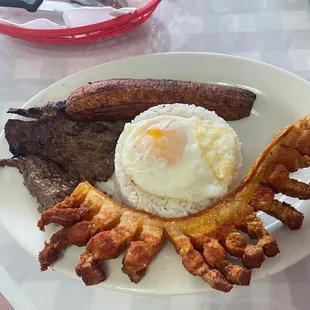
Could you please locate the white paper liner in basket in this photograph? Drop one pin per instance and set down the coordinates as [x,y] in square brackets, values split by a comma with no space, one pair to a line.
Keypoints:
[76,17]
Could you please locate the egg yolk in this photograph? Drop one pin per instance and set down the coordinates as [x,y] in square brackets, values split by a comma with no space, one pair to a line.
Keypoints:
[167,143]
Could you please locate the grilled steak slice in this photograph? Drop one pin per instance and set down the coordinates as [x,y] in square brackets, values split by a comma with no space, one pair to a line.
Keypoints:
[48,110]
[45,179]
[83,149]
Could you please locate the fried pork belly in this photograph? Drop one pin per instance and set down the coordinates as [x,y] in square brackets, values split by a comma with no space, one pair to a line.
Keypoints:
[204,239]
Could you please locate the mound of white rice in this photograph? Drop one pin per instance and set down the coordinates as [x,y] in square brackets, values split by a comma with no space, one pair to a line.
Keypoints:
[132,195]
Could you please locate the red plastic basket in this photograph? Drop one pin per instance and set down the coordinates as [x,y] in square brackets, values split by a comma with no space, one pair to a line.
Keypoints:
[84,34]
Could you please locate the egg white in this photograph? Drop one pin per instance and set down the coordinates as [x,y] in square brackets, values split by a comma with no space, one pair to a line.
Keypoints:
[206,168]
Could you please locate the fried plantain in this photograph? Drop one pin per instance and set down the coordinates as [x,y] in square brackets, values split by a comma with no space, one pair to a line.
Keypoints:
[116,99]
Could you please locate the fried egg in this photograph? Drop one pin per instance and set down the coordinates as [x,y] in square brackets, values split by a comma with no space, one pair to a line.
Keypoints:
[190,158]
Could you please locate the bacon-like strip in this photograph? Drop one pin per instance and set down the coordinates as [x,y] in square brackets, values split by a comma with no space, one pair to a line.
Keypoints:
[215,257]
[280,181]
[255,229]
[291,158]
[263,200]
[141,252]
[252,255]
[77,234]
[109,244]
[195,264]
[235,244]
[64,217]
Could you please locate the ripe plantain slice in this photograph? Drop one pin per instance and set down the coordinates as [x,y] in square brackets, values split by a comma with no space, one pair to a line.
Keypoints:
[115,99]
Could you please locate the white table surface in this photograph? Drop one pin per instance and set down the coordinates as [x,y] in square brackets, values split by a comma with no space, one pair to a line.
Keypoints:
[273,31]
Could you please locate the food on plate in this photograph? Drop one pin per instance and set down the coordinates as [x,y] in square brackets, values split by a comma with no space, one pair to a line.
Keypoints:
[204,239]
[73,142]
[63,136]
[173,160]
[81,150]
[126,98]
[44,179]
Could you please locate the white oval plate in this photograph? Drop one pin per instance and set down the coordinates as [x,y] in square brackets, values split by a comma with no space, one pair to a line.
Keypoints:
[282,99]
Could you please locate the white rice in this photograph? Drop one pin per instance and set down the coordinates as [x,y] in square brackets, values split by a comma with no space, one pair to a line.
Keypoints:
[132,195]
